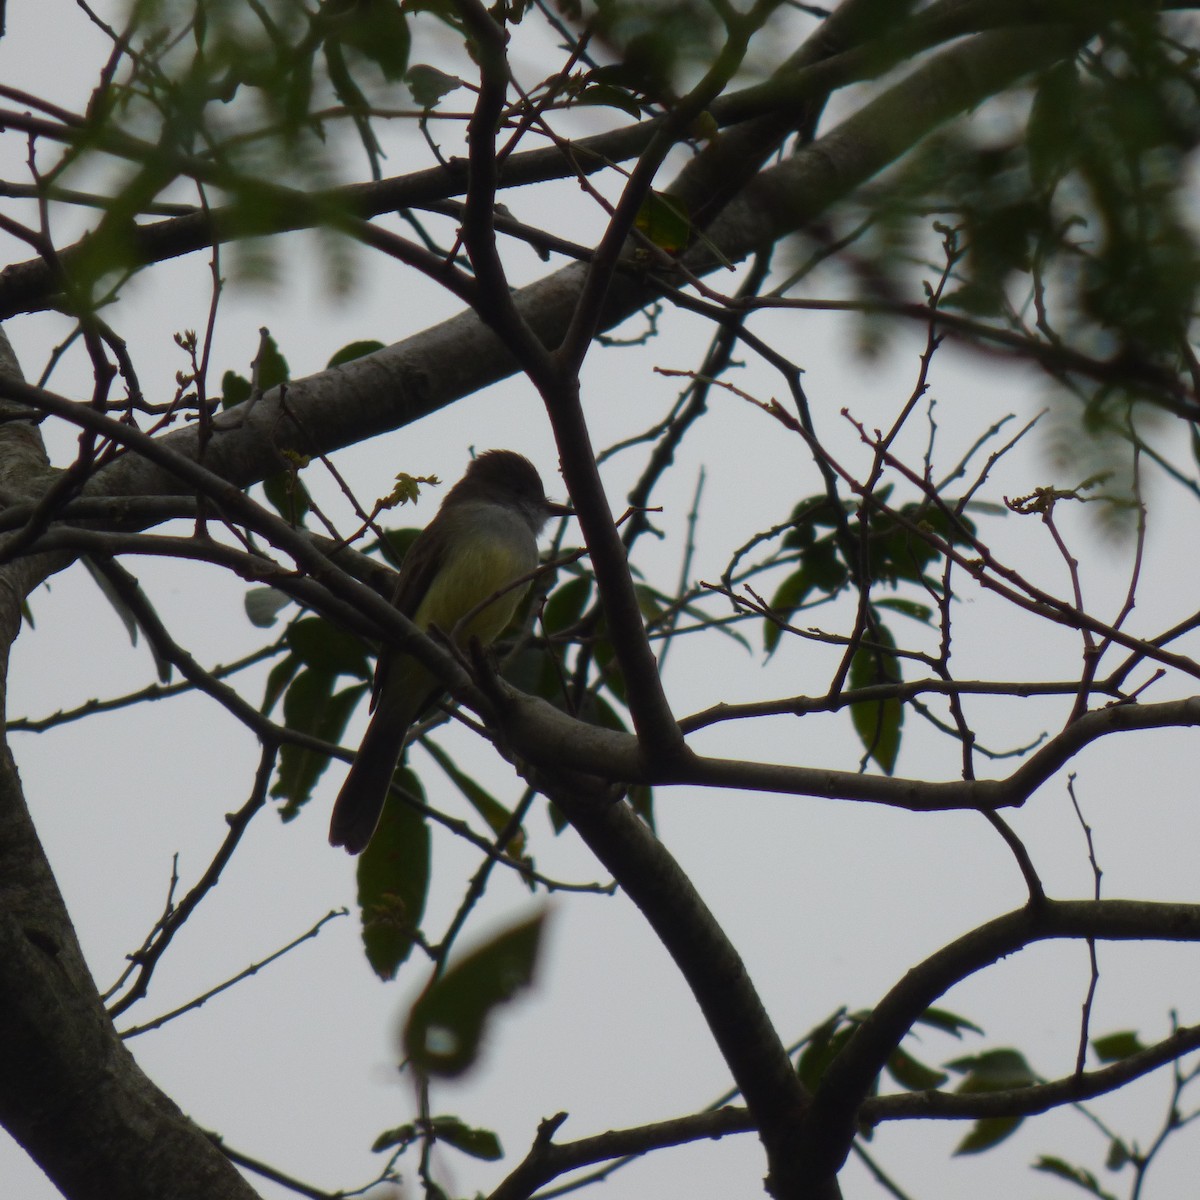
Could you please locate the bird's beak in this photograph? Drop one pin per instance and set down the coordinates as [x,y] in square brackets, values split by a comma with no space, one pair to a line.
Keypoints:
[559,510]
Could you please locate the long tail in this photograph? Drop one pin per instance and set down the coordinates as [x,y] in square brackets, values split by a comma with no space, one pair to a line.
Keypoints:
[360,802]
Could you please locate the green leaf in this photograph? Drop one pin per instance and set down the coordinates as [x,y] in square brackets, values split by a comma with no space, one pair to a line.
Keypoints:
[788,597]
[989,1132]
[1052,134]
[877,722]
[664,220]
[911,1074]
[352,351]
[272,367]
[910,608]
[377,29]
[607,95]
[947,1022]
[399,1138]
[398,543]
[483,802]
[811,514]
[428,85]
[826,570]
[1118,1155]
[124,613]
[287,495]
[595,710]
[310,706]
[297,93]
[977,299]
[478,1143]
[282,673]
[641,798]
[993,1071]
[445,1028]
[407,488]
[651,604]
[328,648]
[234,389]
[958,530]
[606,660]
[1115,1046]
[532,670]
[393,881]
[566,604]
[823,1044]
[1076,1175]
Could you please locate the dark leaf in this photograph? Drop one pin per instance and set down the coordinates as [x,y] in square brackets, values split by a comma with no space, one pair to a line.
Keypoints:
[444,1030]
[376,29]
[483,802]
[428,85]
[911,1074]
[993,1071]
[651,603]
[641,797]
[328,648]
[296,90]
[947,1022]
[607,95]
[1076,1175]
[823,564]
[877,722]
[566,604]
[398,543]
[910,608]
[989,1132]
[787,598]
[310,706]
[606,660]
[975,298]
[665,222]
[393,881]
[352,351]
[478,1143]
[282,673]
[287,495]
[823,1044]
[1052,131]
[234,389]
[399,1138]
[595,710]
[1115,1046]
[271,366]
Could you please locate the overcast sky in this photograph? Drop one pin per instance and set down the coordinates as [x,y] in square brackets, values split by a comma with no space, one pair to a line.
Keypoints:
[828,902]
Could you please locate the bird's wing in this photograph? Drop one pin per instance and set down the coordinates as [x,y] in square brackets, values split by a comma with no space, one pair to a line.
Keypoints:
[420,565]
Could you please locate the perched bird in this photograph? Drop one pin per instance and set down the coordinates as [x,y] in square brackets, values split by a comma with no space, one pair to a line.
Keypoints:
[483,538]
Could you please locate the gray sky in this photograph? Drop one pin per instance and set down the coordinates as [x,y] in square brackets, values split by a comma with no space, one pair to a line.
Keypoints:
[828,902]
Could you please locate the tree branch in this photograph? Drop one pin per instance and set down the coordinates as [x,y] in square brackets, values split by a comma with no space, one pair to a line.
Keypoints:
[851,1075]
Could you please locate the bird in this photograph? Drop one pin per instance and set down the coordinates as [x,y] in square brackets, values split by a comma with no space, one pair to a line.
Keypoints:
[480,543]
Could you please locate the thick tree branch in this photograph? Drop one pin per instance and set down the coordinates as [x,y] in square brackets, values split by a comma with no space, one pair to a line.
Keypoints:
[70,1092]
[849,1079]
[828,61]
[548,736]
[432,369]
[708,961]
[548,1160]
